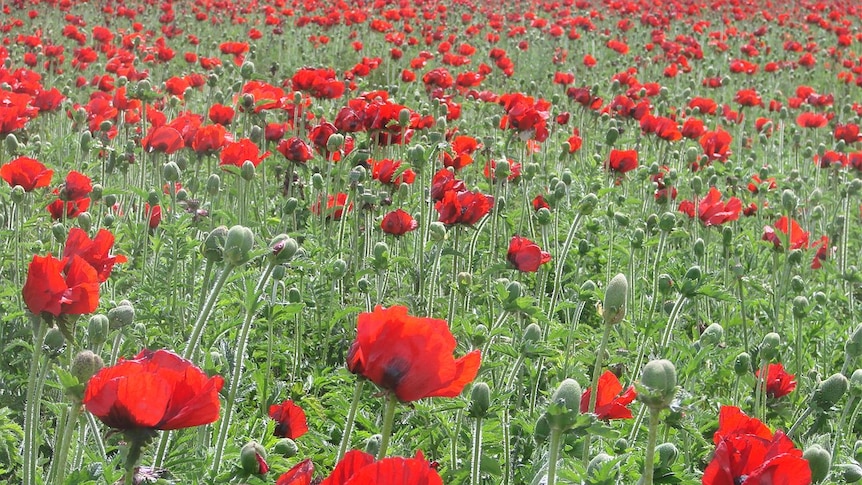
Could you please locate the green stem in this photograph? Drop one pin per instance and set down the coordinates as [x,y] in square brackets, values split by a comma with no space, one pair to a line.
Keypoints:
[560,265]
[760,390]
[839,430]
[31,418]
[799,421]
[649,459]
[742,313]
[554,454]
[252,302]
[594,386]
[65,441]
[388,420]
[671,321]
[475,467]
[351,417]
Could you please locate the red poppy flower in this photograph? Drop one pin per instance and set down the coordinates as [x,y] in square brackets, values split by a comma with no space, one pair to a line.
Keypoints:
[209,139]
[711,210]
[389,172]
[463,207]
[94,252]
[822,253]
[409,356]
[155,390]
[849,133]
[706,106]
[353,461]
[76,186]
[239,152]
[444,181]
[575,141]
[525,255]
[747,453]
[716,144]
[295,150]
[748,97]
[30,174]
[319,136]
[334,206]
[61,287]
[798,238]
[300,474]
[289,420]
[163,139]
[154,215]
[221,114]
[778,382]
[73,208]
[539,202]
[611,401]
[693,128]
[622,161]
[395,470]
[398,223]
[811,120]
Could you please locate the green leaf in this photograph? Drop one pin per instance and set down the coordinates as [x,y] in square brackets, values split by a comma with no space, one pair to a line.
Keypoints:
[490,465]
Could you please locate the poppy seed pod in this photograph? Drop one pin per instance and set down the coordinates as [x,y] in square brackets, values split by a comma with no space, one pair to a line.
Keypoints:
[614,305]
[769,347]
[122,315]
[565,405]
[830,391]
[237,245]
[480,400]
[819,459]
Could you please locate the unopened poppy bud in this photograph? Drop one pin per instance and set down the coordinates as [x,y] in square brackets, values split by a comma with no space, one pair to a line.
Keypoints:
[339,269]
[246,101]
[171,171]
[532,334]
[363,285]
[769,347]
[587,204]
[659,383]
[285,447]
[283,248]
[596,470]
[830,391]
[789,201]
[334,142]
[638,236]
[665,283]
[465,280]
[542,429]
[18,194]
[153,198]
[247,170]
[85,365]
[820,297]
[691,281]
[611,136]
[800,306]
[616,294]
[237,245]
[857,451]
[54,340]
[372,444]
[699,247]
[357,175]
[121,315]
[849,472]
[713,335]
[437,230]
[246,70]
[651,221]
[213,184]
[819,460]
[514,290]
[213,247]
[502,170]
[543,216]
[564,406]
[797,284]
[856,383]
[11,143]
[85,221]
[290,205]
[855,187]
[853,346]
[480,400]
[531,170]
[479,336]
[380,251]
[317,181]
[279,272]
[252,459]
[621,219]
[742,364]
[666,221]
[85,140]
[559,191]
[79,116]
[97,330]
[256,134]
[584,247]
[691,155]
[696,184]
[667,454]
[795,256]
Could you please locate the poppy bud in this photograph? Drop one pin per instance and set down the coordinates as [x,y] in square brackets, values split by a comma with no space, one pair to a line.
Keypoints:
[285,447]
[696,185]
[247,170]
[84,221]
[237,245]
[853,346]
[742,364]
[713,335]
[659,383]
[614,305]
[564,406]
[855,187]
[850,472]
[769,347]
[857,450]
[830,391]
[797,284]
[213,184]
[252,459]
[789,201]
[611,136]
[317,181]
[567,177]
[819,459]
[514,290]
[691,155]
[153,198]
[465,280]
[334,142]
[437,230]
[820,297]
[283,248]
[85,365]
[479,336]
[667,221]
[18,194]
[502,170]
[667,455]
[357,175]
[79,116]
[480,400]
[699,248]
[531,170]
[85,140]
[246,70]
[800,306]
[691,281]
[587,204]
[339,269]
[596,473]
[665,283]
[621,445]
[97,330]
[856,383]
[795,256]
[638,237]
[121,315]
[11,143]
[363,285]
[621,219]
[372,444]
[543,216]
[532,334]
[171,171]
[246,101]
[213,247]
[54,340]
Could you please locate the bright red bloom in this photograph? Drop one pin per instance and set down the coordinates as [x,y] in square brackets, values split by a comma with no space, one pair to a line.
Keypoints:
[398,223]
[155,390]
[300,474]
[239,152]
[95,251]
[353,461]
[68,287]
[396,470]
[334,206]
[76,186]
[849,133]
[154,215]
[295,150]
[221,114]
[716,144]
[289,420]
[748,97]
[72,208]
[30,174]
[747,453]
[409,356]
[778,382]
[822,253]
[209,139]
[319,136]
[389,172]
[706,106]
[444,181]
[539,202]
[711,210]
[622,161]
[163,139]
[611,401]
[811,120]
[463,207]
[797,237]
[525,255]
[693,128]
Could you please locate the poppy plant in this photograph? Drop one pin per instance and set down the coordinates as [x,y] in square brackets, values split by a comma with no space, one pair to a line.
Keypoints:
[463,207]
[611,401]
[622,161]
[30,174]
[778,382]
[748,453]
[289,420]
[155,390]
[398,223]
[525,255]
[711,210]
[409,356]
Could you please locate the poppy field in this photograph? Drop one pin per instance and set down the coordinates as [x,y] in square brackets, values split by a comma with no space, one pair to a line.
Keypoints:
[426,242]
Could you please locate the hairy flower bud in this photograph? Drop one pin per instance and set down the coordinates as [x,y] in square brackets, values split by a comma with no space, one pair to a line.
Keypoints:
[237,245]
[616,294]
[480,400]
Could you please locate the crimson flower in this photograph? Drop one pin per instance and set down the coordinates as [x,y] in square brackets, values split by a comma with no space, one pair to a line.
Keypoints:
[289,420]
[295,150]
[239,152]
[300,474]
[389,172]
[209,139]
[393,470]
[163,139]
[748,97]
[748,453]
[797,237]
[693,128]
[409,356]
[221,114]
[72,208]
[716,144]
[711,210]
[68,287]
[76,186]
[525,255]
[94,252]
[334,206]
[539,202]
[30,174]
[778,382]
[154,215]
[611,401]
[398,223]
[463,207]
[622,161]
[353,461]
[822,253]
[155,390]
[811,120]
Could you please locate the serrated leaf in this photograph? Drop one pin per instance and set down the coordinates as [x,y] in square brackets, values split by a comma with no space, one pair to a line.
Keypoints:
[490,466]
